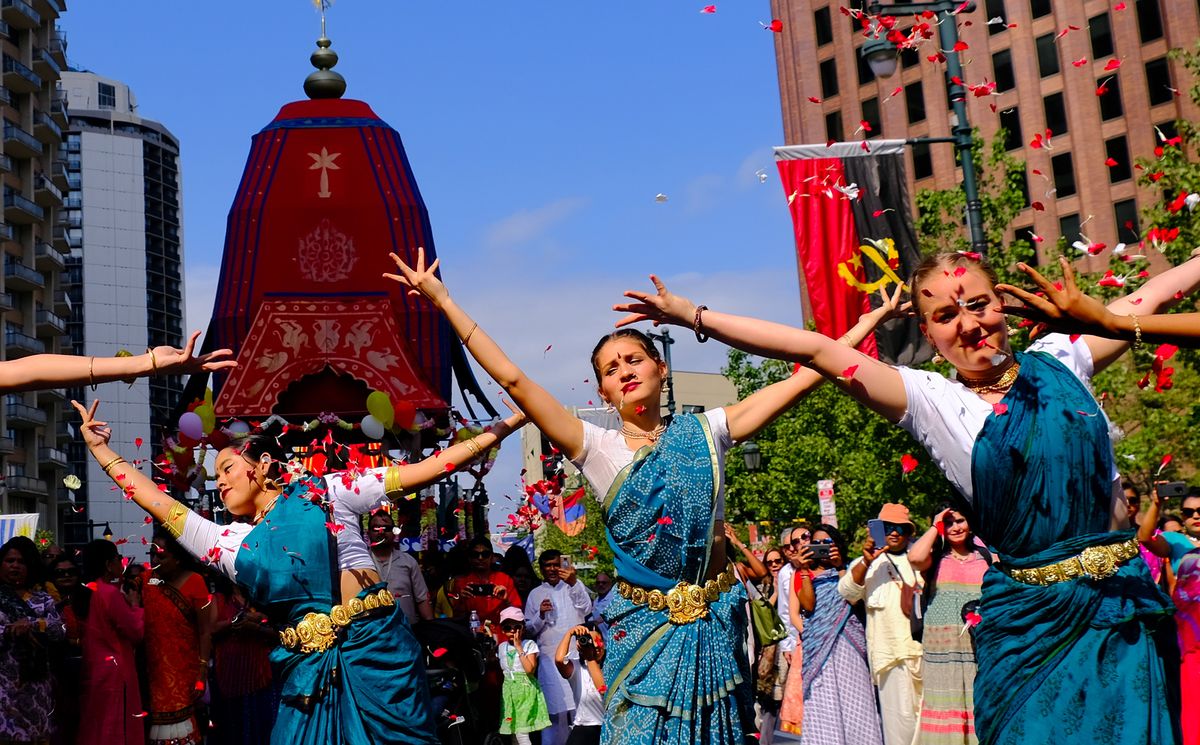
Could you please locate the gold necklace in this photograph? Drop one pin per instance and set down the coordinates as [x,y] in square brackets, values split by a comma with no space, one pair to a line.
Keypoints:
[999,384]
[258,516]
[652,435]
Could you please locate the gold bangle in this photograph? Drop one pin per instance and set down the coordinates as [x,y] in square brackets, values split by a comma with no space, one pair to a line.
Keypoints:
[115,461]
[153,361]
[176,517]
[1137,332]
[393,486]
[92,372]
[467,338]
[473,447]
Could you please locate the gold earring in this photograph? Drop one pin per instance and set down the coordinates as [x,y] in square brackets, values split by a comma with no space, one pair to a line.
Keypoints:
[938,359]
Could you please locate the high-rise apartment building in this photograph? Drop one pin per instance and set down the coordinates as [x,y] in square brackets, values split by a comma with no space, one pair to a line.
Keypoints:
[1094,74]
[124,272]
[32,424]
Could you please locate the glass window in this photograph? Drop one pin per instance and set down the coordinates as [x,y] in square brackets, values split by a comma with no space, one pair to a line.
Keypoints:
[1117,150]
[1126,214]
[1002,71]
[1100,30]
[870,114]
[1047,54]
[1026,234]
[1063,167]
[1039,8]
[1110,99]
[833,126]
[829,79]
[922,161]
[909,58]
[864,68]
[1056,113]
[914,98]
[107,96]
[1068,227]
[1149,18]
[1024,187]
[1158,81]
[1168,129]
[1010,122]
[824,26]
[995,9]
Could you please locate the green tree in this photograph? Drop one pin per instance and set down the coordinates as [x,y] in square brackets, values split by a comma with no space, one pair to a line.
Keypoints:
[590,546]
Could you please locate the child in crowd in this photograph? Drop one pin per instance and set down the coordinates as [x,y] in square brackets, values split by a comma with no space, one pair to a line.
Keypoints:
[587,685]
[523,707]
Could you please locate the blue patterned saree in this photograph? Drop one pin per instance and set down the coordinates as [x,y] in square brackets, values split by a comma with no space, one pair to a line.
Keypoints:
[368,688]
[1074,661]
[669,683]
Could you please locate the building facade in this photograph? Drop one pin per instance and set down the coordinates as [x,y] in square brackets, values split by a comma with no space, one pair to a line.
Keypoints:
[1093,74]
[34,424]
[124,275]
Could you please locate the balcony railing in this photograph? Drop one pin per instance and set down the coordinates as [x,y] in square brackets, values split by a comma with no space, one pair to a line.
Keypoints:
[44,57]
[48,321]
[45,255]
[45,192]
[46,129]
[7,445]
[18,207]
[20,14]
[26,485]
[52,455]
[19,77]
[19,411]
[19,142]
[7,301]
[16,273]
[6,164]
[21,342]
[6,231]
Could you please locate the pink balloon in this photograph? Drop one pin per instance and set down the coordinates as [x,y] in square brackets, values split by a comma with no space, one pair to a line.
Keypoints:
[192,425]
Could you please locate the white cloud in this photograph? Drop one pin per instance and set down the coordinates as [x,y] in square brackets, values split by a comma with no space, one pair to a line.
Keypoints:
[529,224]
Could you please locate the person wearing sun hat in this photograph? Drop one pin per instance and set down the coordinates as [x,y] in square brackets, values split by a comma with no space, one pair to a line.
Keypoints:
[882,577]
[523,707]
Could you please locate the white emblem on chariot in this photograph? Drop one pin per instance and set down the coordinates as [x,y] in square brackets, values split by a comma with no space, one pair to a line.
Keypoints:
[326,254]
[324,161]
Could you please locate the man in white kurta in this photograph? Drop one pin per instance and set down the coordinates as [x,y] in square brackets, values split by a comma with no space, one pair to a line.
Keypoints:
[552,609]
[879,577]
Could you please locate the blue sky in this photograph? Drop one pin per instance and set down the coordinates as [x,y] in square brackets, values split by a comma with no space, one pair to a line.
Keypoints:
[539,132]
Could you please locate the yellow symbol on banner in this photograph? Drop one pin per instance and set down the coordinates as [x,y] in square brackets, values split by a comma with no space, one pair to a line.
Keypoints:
[325,162]
[847,270]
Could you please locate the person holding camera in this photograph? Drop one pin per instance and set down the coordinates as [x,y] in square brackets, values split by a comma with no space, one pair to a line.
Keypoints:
[885,579]
[554,607]
[482,589]
[587,683]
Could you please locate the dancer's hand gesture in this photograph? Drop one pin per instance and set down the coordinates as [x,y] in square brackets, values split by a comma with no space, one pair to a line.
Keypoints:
[1066,309]
[421,280]
[662,307]
[177,361]
[95,433]
[890,306]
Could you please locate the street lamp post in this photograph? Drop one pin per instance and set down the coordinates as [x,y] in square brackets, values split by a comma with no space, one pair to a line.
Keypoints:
[665,339]
[881,56]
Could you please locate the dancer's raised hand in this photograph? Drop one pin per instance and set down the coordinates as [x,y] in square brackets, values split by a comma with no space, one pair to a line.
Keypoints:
[420,280]
[661,307]
[177,361]
[1065,308]
[95,433]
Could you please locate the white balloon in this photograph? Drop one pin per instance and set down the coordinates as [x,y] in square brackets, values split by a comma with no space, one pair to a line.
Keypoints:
[372,427]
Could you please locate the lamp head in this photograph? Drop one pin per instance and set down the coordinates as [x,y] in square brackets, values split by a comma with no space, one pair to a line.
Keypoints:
[881,56]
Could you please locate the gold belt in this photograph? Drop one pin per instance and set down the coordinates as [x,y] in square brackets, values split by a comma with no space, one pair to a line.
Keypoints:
[317,632]
[685,603]
[1095,562]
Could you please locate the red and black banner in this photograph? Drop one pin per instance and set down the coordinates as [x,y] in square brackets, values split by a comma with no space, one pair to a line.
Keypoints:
[854,235]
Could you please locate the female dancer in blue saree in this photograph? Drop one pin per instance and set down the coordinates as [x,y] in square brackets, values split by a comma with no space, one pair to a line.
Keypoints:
[675,667]
[1065,650]
[349,667]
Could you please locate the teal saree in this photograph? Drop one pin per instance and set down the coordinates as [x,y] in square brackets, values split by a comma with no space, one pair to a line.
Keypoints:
[1072,662]
[672,683]
[370,687]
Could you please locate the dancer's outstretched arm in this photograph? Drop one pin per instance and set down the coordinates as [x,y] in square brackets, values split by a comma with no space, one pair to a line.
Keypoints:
[1070,310]
[872,382]
[748,416]
[42,371]
[559,425]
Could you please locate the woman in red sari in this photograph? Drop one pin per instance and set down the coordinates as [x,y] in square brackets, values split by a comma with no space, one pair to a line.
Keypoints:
[111,711]
[179,615]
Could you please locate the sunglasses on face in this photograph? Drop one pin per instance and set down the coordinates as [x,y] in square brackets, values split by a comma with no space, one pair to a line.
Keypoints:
[824,541]
[509,627]
[804,538]
[66,572]
[774,561]
[901,528]
[481,555]
[1188,512]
